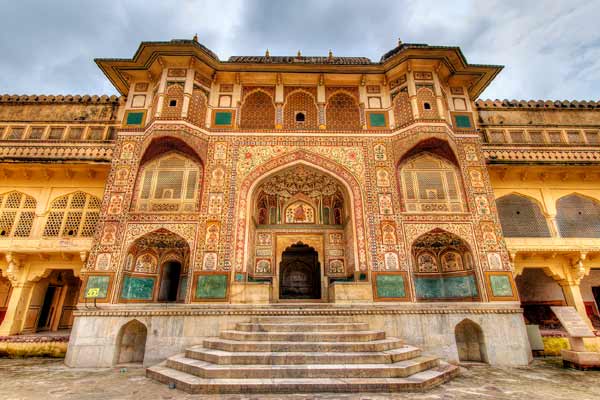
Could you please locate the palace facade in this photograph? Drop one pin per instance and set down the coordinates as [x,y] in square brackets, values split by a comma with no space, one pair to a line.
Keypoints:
[211,192]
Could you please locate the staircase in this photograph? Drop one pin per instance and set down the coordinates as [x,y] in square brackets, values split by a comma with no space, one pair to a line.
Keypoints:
[302,355]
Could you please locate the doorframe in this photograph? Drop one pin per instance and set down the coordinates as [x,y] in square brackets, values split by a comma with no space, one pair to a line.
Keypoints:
[312,239]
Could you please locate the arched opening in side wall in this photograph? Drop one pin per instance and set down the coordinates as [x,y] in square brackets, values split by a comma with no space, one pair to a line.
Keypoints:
[131,343]
[470,342]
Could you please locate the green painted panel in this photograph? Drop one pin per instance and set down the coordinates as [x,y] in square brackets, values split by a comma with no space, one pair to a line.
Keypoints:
[99,282]
[462,121]
[135,118]
[211,287]
[501,286]
[377,119]
[446,287]
[223,118]
[390,286]
[182,288]
[137,288]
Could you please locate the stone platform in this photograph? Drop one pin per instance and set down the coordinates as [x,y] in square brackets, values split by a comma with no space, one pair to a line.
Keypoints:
[302,355]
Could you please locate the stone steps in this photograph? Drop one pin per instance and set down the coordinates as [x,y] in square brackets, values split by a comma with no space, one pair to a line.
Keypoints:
[192,384]
[327,336]
[203,369]
[302,357]
[274,346]
[302,327]
[298,354]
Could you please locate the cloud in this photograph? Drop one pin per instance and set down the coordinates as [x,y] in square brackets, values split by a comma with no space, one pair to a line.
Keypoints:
[551,49]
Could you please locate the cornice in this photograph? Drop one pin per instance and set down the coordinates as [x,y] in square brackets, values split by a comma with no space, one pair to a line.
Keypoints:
[524,154]
[66,151]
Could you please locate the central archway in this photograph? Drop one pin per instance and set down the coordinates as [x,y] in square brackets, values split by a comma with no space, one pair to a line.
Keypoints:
[297,198]
[299,273]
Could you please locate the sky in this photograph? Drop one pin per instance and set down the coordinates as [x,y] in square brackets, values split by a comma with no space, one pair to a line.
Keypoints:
[550,49]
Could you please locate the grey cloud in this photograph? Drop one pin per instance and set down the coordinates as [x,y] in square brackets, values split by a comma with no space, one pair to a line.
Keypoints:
[551,49]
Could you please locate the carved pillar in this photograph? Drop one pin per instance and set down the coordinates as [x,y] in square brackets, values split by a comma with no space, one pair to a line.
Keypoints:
[279,116]
[571,289]
[322,120]
[161,92]
[187,92]
[19,297]
[412,94]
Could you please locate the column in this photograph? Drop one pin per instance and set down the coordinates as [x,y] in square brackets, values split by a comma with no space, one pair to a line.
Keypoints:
[187,92]
[412,94]
[17,308]
[161,92]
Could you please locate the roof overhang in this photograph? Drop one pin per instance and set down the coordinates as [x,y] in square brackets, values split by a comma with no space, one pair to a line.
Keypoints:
[148,62]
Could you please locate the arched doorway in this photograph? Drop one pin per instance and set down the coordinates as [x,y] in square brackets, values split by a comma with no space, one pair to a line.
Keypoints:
[155,268]
[131,343]
[169,281]
[469,342]
[299,273]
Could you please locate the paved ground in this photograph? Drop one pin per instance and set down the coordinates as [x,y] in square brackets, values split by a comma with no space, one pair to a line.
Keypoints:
[49,379]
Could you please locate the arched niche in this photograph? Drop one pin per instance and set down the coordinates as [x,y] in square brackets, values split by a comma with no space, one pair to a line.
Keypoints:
[131,343]
[342,112]
[156,269]
[257,111]
[300,111]
[430,182]
[444,268]
[170,177]
[470,342]
[521,216]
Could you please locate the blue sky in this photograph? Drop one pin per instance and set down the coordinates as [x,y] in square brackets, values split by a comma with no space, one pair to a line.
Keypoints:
[550,49]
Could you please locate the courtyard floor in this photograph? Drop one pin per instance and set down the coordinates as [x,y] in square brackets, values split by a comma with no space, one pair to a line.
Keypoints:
[50,379]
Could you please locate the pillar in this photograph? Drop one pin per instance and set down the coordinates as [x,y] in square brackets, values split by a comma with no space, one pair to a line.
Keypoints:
[187,92]
[17,308]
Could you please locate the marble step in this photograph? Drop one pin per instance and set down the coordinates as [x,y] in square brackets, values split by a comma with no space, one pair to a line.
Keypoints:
[302,357]
[192,384]
[276,346]
[302,327]
[330,336]
[283,319]
[208,370]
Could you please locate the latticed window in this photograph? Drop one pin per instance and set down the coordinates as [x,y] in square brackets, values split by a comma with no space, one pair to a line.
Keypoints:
[73,215]
[17,211]
[578,216]
[430,184]
[169,183]
[521,217]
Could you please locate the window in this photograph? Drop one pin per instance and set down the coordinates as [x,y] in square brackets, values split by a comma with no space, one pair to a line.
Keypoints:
[169,183]
[578,216]
[17,211]
[172,103]
[521,217]
[300,117]
[73,215]
[430,184]
[427,106]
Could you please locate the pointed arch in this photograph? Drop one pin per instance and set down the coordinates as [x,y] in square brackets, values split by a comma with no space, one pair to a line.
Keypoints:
[17,212]
[342,112]
[443,268]
[72,215]
[131,343]
[312,160]
[257,110]
[300,101]
[470,341]
[430,183]
[521,216]
[578,215]
[144,273]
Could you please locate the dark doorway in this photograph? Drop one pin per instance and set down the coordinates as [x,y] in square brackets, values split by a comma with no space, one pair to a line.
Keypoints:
[48,308]
[169,283]
[299,273]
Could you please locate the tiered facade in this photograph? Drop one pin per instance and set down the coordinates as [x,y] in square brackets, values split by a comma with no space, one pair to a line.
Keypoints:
[212,191]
